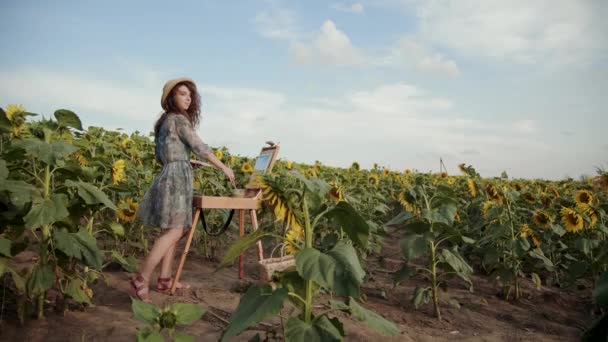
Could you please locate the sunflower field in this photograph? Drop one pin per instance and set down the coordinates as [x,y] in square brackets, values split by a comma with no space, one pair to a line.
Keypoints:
[68,198]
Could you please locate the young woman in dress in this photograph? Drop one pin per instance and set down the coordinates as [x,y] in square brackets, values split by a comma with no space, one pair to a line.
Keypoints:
[167,204]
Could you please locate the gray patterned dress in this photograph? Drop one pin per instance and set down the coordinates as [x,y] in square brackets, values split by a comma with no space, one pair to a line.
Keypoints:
[168,201]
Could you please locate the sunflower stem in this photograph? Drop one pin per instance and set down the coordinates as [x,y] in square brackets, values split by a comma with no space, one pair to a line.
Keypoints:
[308,236]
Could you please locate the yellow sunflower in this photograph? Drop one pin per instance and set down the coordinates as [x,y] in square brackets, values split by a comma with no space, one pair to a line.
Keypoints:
[289,165]
[127,210]
[386,172]
[247,168]
[444,174]
[525,231]
[13,109]
[451,180]
[583,197]
[572,220]
[529,197]
[294,237]
[373,179]
[405,203]
[355,166]
[118,171]
[591,212]
[278,205]
[219,154]
[126,143]
[541,218]
[545,200]
[472,187]
[487,205]
[336,193]
[82,161]
[493,194]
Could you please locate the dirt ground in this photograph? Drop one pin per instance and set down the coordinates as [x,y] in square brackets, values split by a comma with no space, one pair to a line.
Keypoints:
[542,315]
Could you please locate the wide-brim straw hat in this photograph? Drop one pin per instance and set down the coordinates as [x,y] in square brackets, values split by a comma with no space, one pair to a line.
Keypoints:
[169,86]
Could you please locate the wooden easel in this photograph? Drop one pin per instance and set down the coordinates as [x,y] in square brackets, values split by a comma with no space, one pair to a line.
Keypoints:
[250,201]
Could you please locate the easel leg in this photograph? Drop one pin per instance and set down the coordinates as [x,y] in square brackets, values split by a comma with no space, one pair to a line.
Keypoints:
[241,234]
[254,226]
[186,248]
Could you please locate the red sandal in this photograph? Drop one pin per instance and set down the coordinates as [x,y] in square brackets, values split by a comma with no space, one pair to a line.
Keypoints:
[138,283]
[163,285]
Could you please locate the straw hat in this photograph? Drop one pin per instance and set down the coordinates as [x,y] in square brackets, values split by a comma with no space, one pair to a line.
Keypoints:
[169,86]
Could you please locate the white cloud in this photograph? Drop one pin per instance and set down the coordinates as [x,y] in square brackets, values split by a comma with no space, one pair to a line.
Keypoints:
[400,125]
[354,8]
[276,24]
[542,31]
[330,46]
[411,52]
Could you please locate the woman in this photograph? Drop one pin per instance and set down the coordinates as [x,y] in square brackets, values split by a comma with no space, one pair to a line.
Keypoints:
[168,202]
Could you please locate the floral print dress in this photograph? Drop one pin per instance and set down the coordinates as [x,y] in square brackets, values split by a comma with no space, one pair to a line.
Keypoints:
[168,201]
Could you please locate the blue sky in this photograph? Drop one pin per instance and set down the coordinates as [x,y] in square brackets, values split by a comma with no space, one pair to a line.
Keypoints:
[518,85]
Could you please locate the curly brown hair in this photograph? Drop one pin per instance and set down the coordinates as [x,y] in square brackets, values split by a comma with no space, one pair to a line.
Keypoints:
[193,113]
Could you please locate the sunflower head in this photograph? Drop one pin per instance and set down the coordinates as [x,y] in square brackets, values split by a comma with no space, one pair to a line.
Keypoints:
[294,237]
[451,180]
[126,143]
[289,165]
[472,187]
[355,166]
[386,172]
[487,205]
[545,200]
[336,193]
[127,210]
[373,179]
[219,154]
[541,218]
[529,197]
[403,199]
[525,231]
[443,175]
[493,194]
[583,197]
[591,212]
[247,168]
[118,171]
[572,220]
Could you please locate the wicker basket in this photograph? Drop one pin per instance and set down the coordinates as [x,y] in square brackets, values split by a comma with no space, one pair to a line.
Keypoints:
[277,264]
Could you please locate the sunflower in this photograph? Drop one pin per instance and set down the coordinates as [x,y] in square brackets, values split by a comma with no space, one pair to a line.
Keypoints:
[572,220]
[289,165]
[126,143]
[355,166]
[408,172]
[583,197]
[451,180]
[336,192]
[313,171]
[13,109]
[541,218]
[219,154]
[493,194]
[294,237]
[196,184]
[444,174]
[529,197]
[472,187]
[386,172]
[525,231]
[404,202]
[278,204]
[554,192]
[118,171]
[545,200]
[487,205]
[591,212]
[82,161]
[517,186]
[127,210]
[373,179]
[247,168]
[232,160]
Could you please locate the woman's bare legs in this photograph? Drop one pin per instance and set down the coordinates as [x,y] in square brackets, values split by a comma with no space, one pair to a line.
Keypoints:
[161,246]
[166,269]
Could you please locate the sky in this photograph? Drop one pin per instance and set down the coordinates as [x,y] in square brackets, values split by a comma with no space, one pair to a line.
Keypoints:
[518,86]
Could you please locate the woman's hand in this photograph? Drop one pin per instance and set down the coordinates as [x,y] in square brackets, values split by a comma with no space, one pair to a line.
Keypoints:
[230,174]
